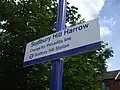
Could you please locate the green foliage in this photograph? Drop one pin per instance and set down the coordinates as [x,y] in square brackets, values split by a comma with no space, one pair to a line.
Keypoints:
[24,21]
[27,20]
[73,17]
[81,70]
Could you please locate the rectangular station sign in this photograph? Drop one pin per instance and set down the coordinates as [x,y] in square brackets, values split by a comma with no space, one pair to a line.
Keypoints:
[77,39]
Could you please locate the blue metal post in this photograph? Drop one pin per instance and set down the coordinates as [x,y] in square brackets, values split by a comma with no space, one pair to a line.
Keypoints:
[57,65]
[61,18]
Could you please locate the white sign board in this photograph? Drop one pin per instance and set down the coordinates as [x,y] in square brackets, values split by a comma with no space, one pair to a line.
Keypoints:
[79,38]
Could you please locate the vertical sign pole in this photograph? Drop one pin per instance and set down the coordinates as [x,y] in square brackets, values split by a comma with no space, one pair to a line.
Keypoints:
[57,65]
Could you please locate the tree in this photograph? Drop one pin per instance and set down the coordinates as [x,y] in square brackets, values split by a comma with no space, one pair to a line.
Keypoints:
[22,22]
[81,70]
[27,20]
